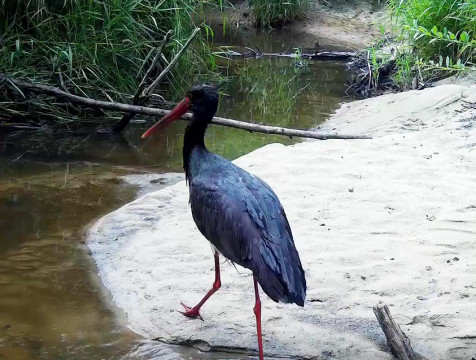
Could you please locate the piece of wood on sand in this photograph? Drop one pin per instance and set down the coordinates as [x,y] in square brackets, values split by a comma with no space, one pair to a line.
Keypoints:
[398,342]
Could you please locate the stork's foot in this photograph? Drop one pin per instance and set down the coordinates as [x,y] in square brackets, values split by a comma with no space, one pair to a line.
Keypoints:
[189,312]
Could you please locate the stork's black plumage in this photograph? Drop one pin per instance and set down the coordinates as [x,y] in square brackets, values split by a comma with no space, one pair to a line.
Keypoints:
[237,212]
[243,218]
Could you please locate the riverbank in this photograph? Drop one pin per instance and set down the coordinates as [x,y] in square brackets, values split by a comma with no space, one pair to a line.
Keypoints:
[351,24]
[346,25]
[392,219]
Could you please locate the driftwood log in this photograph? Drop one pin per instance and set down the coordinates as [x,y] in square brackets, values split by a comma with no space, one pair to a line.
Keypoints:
[135,109]
[321,55]
[397,341]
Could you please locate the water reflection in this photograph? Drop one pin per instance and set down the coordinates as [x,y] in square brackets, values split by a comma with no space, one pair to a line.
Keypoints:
[49,306]
[52,305]
[267,90]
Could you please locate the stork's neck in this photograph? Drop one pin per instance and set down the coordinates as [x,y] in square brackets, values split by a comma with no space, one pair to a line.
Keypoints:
[194,138]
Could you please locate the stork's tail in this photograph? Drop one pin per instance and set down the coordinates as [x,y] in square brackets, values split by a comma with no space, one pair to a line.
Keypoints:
[280,273]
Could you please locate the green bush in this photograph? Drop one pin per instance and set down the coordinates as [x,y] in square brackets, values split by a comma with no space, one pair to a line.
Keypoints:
[275,12]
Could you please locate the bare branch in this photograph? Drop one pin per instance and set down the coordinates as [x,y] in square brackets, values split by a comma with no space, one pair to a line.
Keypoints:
[138,100]
[164,72]
[152,65]
[321,55]
[135,109]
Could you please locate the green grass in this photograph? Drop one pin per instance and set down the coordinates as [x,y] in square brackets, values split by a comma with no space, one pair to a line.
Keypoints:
[100,48]
[270,88]
[276,12]
[441,33]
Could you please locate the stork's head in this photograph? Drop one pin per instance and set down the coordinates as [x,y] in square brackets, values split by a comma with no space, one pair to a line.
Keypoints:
[202,100]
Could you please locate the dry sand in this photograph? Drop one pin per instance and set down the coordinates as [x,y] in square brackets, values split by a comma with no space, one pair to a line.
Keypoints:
[392,219]
[345,24]
[337,24]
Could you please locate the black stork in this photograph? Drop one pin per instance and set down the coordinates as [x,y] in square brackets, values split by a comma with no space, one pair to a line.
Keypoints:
[237,212]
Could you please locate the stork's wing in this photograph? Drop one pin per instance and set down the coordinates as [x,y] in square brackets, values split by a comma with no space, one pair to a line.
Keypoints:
[243,218]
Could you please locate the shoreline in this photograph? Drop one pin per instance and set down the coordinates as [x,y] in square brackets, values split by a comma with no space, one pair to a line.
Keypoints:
[381,219]
[339,25]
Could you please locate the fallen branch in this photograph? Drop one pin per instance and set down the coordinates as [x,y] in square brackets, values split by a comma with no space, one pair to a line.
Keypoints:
[135,109]
[398,342]
[321,55]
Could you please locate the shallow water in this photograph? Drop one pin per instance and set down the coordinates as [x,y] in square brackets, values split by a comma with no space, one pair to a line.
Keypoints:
[52,305]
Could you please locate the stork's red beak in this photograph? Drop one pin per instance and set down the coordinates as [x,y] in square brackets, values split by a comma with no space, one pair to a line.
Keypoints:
[181,108]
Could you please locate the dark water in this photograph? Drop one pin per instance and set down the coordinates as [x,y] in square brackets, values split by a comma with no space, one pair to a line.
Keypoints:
[52,305]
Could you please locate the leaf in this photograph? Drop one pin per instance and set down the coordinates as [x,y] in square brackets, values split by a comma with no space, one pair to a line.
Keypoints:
[434,30]
[424,30]
[418,36]
[70,58]
[464,36]
[154,21]
[451,35]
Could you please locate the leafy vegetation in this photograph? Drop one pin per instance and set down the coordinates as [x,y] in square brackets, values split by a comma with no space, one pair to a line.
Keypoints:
[100,48]
[435,38]
[276,12]
[443,28]
[442,36]
[270,94]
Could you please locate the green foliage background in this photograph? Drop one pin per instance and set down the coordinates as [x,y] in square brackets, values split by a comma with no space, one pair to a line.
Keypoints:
[277,12]
[441,34]
[100,47]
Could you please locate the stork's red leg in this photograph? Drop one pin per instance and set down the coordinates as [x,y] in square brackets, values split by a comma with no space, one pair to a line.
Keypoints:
[195,311]
[257,311]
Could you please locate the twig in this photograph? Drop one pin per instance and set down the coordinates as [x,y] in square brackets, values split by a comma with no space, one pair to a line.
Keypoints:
[152,65]
[398,342]
[138,99]
[61,82]
[50,90]
[164,72]
[370,71]
[16,88]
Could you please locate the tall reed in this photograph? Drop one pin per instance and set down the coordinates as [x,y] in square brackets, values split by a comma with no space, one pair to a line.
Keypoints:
[97,48]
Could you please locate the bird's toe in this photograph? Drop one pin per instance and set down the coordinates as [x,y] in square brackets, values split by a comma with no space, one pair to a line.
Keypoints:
[189,312]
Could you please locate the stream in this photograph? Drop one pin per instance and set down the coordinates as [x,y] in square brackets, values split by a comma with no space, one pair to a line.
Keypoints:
[52,303]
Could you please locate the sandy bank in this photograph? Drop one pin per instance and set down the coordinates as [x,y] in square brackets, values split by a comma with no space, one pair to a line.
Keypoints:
[339,24]
[349,25]
[392,219]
